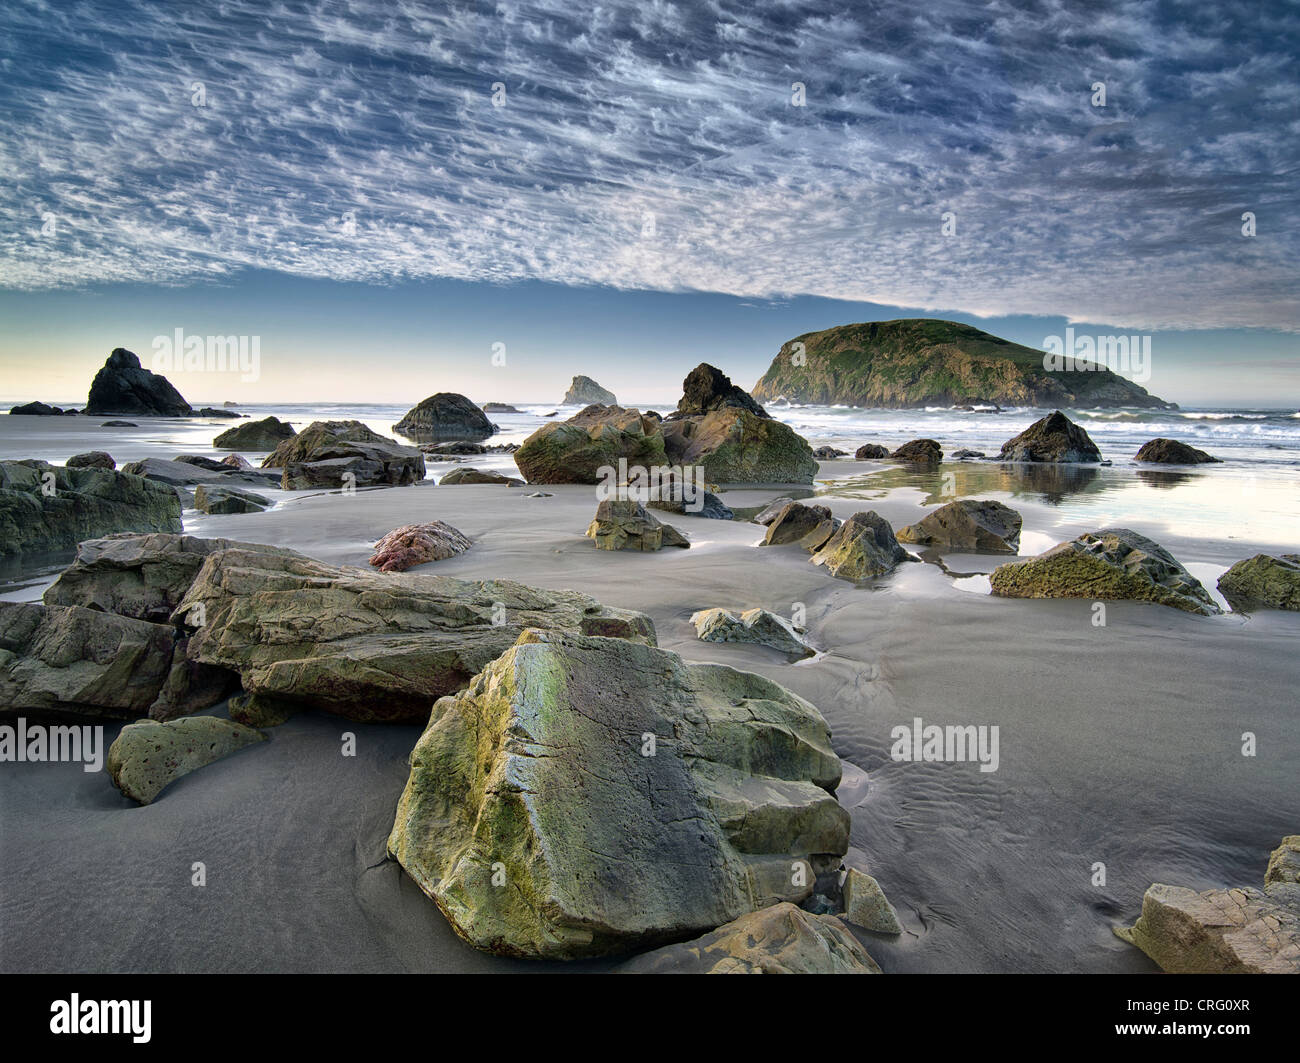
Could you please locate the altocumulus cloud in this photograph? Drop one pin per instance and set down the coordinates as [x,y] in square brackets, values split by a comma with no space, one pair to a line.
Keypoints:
[656,145]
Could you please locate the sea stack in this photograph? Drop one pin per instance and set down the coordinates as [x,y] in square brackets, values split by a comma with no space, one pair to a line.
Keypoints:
[123,386]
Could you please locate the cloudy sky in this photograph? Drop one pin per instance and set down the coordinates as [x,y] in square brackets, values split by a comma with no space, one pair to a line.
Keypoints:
[625,188]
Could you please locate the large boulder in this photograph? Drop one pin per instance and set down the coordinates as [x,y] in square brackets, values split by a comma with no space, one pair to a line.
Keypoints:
[919,452]
[733,445]
[122,386]
[367,645]
[594,439]
[871,451]
[1226,931]
[969,525]
[1111,564]
[445,416]
[756,626]
[44,507]
[584,391]
[707,388]
[592,796]
[148,756]
[862,547]
[624,524]
[782,939]
[266,434]
[807,526]
[1172,452]
[344,453]
[1053,438]
[1263,581]
[418,544]
[92,459]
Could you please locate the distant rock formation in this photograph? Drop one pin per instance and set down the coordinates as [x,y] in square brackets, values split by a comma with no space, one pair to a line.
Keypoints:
[915,362]
[445,416]
[122,386]
[706,389]
[1054,438]
[584,391]
[40,409]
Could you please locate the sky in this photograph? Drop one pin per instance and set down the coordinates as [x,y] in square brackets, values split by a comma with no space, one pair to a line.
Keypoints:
[384,193]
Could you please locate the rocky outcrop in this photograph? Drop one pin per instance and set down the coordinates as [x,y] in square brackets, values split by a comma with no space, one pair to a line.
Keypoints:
[584,391]
[44,507]
[870,452]
[92,459]
[418,544]
[596,438]
[593,796]
[122,386]
[753,625]
[968,525]
[1054,438]
[733,445]
[38,409]
[919,452]
[862,547]
[806,526]
[866,905]
[1263,582]
[147,756]
[707,389]
[266,434]
[445,416]
[782,939]
[624,524]
[1111,564]
[1172,452]
[469,475]
[1226,931]
[917,362]
[216,500]
[367,645]
[344,453]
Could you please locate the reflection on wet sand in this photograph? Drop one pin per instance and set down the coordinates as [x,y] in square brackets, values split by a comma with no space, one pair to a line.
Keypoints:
[965,479]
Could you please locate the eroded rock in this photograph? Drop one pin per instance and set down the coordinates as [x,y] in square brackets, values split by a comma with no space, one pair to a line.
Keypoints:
[624,524]
[418,544]
[862,547]
[147,756]
[968,525]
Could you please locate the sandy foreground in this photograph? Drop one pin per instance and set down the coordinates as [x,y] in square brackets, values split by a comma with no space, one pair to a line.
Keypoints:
[1118,744]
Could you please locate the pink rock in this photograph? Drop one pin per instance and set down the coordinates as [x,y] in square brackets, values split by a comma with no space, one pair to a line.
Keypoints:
[416,544]
[236,461]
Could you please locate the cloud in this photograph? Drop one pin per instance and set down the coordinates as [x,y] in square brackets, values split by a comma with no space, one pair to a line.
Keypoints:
[656,146]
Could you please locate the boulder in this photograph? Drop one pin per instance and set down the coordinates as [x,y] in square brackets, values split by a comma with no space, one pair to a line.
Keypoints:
[1172,452]
[753,625]
[734,445]
[963,454]
[584,391]
[771,511]
[418,544]
[505,407]
[92,459]
[707,389]
[455,446]
[1054,438]
[36,409]
[235,461]
[122,386]
[624,524]
[781,939]
[44,507]
[202,461]
[829,453]
[808,526]
[444,416]
[266,434]
[577,450]
[344,453]
[217,500]
[593,796]
[210,411]
[871,451]
[1226,931]
[968,525]
[919,452]
[1111,564]
[370,646]
[468,475]
[1263,581]
[119,424]
[866,905]
[862,547]
[694,501]
[147,755]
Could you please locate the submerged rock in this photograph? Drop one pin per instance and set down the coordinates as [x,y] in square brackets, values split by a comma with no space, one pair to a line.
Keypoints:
[1053,438]
[122,386]
[147,756]
[44,507]
[266,434]
[589,796]
[344,453]
[968,525]
[806,526]
[1263,581]
[1172,452]
[92,459]
[781,939]
[1227,931]
[919,452]
[624,524]
[584,391]
[862,547]
[753,625]
[866,905]
[445,416]
[418,544]
[1111,564]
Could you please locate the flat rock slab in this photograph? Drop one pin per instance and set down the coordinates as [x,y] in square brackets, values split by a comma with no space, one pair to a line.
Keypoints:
[588,796]
[147,756]
[782,939]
